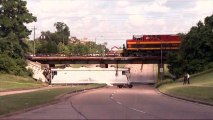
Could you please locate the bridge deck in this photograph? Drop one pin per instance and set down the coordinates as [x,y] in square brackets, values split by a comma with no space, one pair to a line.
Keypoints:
[96,60]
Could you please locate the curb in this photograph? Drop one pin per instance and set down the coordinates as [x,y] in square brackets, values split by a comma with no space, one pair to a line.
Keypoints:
[56,100]
[186,99]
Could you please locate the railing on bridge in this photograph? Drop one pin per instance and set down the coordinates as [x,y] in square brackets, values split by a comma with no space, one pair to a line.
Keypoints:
[96,60]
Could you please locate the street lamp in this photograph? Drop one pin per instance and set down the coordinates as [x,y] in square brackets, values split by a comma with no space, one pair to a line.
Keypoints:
[34,41]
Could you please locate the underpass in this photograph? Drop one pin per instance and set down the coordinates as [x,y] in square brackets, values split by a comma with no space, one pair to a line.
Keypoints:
[142,73]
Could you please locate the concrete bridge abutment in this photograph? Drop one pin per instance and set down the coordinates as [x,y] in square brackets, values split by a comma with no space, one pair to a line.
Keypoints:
[161,72]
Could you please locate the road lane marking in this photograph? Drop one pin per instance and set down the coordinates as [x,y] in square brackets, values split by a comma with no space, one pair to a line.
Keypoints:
[137,110]
[118,102]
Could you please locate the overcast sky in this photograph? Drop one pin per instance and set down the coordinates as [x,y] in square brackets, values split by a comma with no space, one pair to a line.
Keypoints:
[114,21]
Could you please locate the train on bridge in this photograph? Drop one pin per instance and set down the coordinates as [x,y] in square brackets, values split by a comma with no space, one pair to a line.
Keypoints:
[139,46]
[151,45]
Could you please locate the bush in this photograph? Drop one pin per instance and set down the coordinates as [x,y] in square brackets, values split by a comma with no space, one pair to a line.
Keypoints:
[7,64]
[29,72]
[13,66]
[209,66]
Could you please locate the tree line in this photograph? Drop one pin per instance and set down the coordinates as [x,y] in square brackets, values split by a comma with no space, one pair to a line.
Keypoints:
[196,50]
[60,43]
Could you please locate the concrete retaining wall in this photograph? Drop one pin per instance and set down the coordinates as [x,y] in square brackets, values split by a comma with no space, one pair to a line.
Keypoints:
[37,70]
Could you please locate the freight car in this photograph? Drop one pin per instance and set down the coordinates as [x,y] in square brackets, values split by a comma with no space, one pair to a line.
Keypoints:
[151,45]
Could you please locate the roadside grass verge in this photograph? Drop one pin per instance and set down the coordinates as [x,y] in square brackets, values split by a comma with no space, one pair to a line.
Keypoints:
[11,82]
[12,103]
[200,87]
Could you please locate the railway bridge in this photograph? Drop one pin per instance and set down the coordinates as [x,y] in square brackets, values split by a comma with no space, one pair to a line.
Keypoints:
[103,61]
[51,60]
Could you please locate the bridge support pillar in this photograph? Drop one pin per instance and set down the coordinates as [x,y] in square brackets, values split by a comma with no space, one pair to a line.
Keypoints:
[160,72]
[104,65]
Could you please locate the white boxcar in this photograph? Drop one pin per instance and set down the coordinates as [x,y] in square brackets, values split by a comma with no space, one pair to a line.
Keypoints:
[110,76]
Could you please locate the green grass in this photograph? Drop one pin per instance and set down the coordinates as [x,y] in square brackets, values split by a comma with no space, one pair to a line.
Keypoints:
[194,92]
[200,88]
[12,82]
[12,103]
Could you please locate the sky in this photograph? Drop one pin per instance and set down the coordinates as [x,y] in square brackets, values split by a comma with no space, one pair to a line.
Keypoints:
[114,21]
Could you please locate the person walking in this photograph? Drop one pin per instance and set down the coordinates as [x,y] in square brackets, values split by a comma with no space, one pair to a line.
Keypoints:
[187,78]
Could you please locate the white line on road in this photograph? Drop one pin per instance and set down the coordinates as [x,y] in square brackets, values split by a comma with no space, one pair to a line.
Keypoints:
[118,103]
[138,110]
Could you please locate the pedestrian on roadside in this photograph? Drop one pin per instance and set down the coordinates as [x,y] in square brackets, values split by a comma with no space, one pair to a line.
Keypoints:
[187,78]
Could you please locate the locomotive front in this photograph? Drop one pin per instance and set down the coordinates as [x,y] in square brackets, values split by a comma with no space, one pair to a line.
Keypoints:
[151,45]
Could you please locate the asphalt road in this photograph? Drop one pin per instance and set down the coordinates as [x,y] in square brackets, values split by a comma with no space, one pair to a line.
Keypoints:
[140,102]
[142,73]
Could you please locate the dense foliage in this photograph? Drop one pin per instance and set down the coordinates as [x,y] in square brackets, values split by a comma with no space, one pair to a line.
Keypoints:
[196,51]
[13,17]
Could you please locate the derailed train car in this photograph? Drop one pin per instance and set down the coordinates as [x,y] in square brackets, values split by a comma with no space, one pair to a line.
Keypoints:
[146,45]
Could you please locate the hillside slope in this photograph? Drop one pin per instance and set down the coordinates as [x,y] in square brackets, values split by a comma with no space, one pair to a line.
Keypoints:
[11,82]
[200,87]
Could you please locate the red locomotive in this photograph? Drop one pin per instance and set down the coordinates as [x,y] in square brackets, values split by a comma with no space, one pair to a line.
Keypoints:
[146,45]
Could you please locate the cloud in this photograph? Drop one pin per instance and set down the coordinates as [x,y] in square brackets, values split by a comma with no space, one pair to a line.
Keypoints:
[136,20]
[118,20]
[204,5]
[123,3]
[157,6]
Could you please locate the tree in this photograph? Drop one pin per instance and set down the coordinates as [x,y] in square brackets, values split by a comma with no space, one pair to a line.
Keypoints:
[10,46]
[13,17]
[46,35]
[196,50]
[63,49]
[175,64]
[47,47]
[80,49]
[62,34]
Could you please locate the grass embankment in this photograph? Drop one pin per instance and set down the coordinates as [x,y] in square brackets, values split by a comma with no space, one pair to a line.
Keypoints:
[12,103]
[200,87]
[11,82]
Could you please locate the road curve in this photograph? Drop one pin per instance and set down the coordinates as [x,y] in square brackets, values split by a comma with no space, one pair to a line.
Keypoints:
[140,102]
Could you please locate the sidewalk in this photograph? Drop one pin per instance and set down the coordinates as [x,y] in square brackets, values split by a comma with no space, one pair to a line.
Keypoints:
[26,91]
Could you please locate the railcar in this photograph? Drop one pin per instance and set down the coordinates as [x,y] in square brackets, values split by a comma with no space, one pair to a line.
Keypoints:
[151,45]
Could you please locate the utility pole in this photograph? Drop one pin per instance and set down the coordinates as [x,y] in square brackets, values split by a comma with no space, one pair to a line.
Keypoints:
[161,62]
[63,38]
[34,40]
